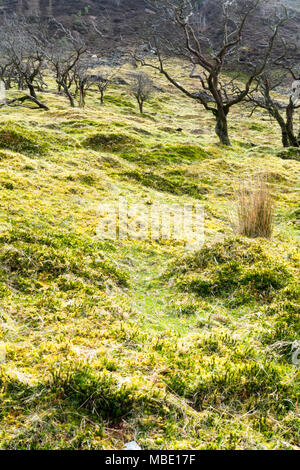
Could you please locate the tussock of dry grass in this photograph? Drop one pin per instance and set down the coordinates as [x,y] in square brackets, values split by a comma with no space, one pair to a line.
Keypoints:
[255,209]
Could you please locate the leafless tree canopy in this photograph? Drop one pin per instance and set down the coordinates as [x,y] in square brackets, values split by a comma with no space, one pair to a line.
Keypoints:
[142,88]
[180,31]
[30,50]
[23,58]
[282,74]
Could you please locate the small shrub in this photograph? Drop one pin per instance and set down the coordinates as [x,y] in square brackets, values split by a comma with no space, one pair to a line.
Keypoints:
[255,210]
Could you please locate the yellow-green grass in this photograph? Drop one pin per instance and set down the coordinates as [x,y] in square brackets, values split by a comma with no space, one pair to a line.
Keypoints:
[118,340]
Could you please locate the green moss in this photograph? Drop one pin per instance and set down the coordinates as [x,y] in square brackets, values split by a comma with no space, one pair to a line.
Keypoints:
[169,154]
[256,126]
[173,185]
[78,124]
[244,269]
[121,102]
[253,384]
[111,142]
[284,314]
[27,265]
[20,139]
[291,153]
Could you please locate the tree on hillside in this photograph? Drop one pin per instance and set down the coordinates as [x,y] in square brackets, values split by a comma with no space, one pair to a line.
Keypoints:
[283,76]
[103,79]
[82,78]
[6,71]
[23,59]
[180,30]
[141,88]
[64,53]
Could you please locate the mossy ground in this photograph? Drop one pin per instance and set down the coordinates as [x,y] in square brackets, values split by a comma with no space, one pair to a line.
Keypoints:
[119,340]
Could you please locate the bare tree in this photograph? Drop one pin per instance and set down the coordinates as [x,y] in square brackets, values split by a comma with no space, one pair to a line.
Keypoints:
[182,32]
[283,76]
[22,55]
[142,88]
[103,79]
[103,83]
[64,53]
[6,71]
[82,78]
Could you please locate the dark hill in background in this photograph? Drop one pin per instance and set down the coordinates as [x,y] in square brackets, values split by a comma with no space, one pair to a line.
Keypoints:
[126,16]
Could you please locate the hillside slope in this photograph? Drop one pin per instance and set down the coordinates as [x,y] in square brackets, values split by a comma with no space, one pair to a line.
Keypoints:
[104,342]
[128,16]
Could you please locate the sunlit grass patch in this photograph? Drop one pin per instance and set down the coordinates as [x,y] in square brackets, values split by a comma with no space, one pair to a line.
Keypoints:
[20,139]
[28,261]
[172,184]
[101,346]
[181,153]
[240,270]
[114,142]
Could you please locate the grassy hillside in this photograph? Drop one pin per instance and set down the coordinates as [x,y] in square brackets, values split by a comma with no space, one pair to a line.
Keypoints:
[119,340]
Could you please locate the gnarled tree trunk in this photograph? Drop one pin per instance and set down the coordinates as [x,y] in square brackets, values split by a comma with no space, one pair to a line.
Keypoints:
[293,141]
[222,127]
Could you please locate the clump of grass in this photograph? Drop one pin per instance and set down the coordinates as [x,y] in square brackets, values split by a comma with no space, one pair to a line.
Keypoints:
[169,154]
[26,262]
[237,269]
[101,392]
[255,210]
[98,393]
[171,184]
[19,139]
[291,153]
[111,142]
